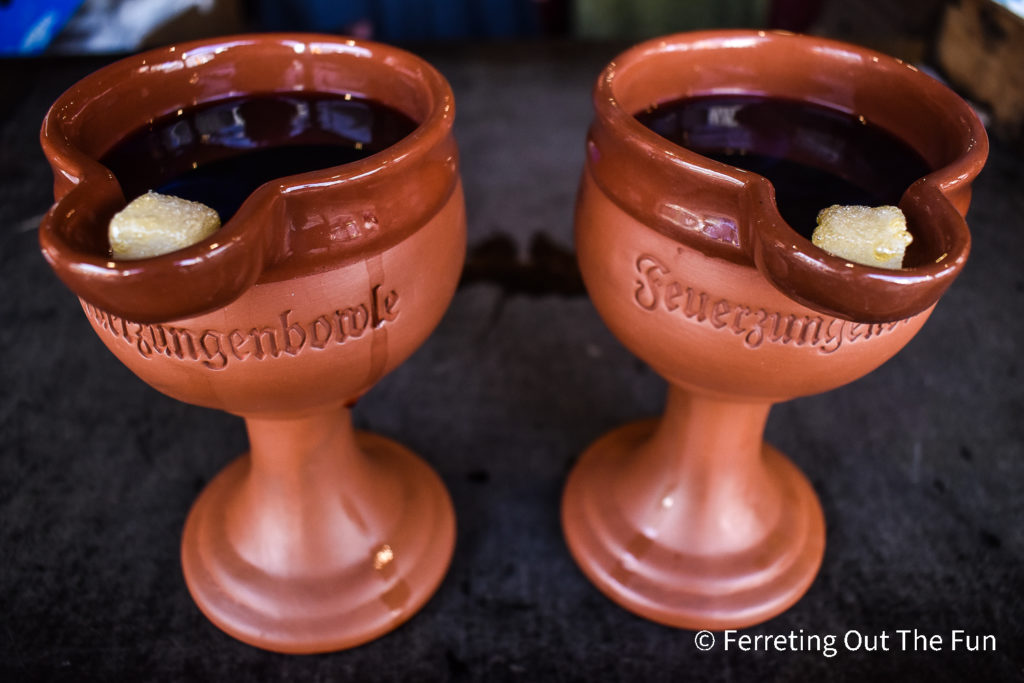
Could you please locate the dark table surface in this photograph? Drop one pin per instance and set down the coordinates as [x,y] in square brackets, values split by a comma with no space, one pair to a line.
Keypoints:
[919,466]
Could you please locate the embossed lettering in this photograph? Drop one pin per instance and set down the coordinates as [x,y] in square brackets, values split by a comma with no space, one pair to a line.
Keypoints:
[235,341]
[320,326]
[649,267]
[214,349]
[384,305]
[833,340]
[118,325]
[756,334]
[719,312]
[288,331]
[215,358]
[737,321]
[259,334]
[780,329]
[674,291]
[702,301]
[182,343]
[807,324]
[655,288]
[351,322]
[158,339]
[104,319]
[141,344]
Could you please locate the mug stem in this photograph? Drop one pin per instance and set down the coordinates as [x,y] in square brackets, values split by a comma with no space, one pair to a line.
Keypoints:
[711,451]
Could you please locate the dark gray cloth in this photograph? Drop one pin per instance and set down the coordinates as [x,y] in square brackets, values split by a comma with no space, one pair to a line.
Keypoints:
[918,466]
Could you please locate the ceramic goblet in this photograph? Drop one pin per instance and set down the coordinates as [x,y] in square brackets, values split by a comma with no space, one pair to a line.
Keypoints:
[692,520]
[321,537]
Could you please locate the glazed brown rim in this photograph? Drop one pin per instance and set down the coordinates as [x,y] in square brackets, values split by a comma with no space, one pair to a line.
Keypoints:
[789,261]
[214,272]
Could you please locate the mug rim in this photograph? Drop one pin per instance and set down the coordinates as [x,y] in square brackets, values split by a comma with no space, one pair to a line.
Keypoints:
[762,238]
[82,184]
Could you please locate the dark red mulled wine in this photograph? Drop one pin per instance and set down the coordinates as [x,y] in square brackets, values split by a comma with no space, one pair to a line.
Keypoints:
[217,153]
[814,156]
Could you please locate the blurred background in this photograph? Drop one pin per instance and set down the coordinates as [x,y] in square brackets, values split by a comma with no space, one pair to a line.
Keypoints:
[977,45]
[77,26]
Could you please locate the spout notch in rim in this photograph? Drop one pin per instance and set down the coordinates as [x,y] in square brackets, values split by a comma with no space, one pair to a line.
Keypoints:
[929,117]
[267,239]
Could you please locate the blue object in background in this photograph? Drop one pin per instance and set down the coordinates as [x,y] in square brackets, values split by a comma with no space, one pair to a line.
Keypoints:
[28,26]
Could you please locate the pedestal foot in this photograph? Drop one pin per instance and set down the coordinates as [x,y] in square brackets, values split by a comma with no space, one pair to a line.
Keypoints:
[665,552]
[327,572]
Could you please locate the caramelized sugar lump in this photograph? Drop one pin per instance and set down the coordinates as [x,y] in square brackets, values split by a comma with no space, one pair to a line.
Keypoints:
[872,236]
[154,224]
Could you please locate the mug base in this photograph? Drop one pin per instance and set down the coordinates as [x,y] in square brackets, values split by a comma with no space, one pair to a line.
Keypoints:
[644,571]
[361,593]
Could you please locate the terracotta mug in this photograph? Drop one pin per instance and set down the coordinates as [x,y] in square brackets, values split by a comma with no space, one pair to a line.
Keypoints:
[692,520]
[321,537]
